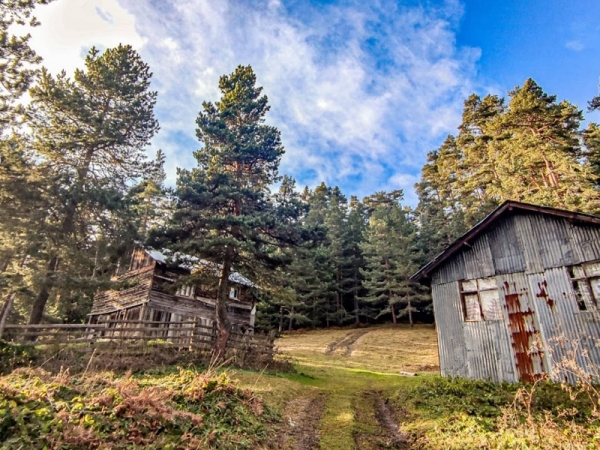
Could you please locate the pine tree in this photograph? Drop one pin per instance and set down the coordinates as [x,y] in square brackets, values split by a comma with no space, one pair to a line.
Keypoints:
[355,229]
[335,224]
[19,202]
[225,212]
[18,61]
[89,136]
[540,154]
[381,254]
[528,149]
[591,139]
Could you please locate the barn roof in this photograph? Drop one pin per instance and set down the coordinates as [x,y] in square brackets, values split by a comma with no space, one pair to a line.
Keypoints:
[507,208]
[191,262]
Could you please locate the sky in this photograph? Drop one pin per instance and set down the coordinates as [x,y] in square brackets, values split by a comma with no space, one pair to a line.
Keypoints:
[360,90]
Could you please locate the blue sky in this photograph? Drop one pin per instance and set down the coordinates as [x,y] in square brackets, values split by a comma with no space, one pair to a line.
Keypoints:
[360,90]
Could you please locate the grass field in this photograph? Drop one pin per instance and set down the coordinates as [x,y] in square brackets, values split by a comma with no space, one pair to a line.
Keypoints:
[346,392]
[336,400]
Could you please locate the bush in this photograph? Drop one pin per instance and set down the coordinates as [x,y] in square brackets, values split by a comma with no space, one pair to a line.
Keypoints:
[185,409]
[457,413]
[15,355]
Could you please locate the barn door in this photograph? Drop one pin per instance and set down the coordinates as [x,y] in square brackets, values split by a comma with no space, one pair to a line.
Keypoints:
[523,328]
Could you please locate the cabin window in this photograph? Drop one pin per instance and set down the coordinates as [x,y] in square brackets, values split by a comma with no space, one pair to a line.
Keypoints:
[480,300]
[185,290]
[585,279]
[234,293]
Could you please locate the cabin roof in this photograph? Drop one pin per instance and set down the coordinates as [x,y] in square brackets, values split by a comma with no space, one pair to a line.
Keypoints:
[507,208]
[190,262]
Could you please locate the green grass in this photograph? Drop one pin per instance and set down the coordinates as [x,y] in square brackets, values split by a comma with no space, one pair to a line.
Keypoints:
[340,376]
[176,409]
[372,364]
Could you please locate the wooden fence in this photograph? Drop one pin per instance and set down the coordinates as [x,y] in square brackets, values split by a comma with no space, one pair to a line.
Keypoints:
[181,335]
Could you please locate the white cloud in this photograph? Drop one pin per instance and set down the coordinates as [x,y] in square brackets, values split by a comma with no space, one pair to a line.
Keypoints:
[575,45]
[360,91]
[71,27]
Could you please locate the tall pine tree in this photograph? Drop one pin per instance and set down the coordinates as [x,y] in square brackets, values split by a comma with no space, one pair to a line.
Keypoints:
[89,134]
[225,212]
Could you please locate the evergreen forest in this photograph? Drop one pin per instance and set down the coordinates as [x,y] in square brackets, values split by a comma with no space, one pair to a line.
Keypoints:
[78,191]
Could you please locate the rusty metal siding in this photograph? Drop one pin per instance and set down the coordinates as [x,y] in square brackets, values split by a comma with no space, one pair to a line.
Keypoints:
[542,328]
[523,326]
[506,249]
[475,261]
[449,326]
[554,243]
[555,305]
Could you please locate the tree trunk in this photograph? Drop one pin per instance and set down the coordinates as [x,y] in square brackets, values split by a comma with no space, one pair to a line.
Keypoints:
[5,312]
[222,319]
[356,316]
[390,293]
[37,310]
[410,319]
[338,298]
[280,319]
[393,312]
[291,319]
[67,228]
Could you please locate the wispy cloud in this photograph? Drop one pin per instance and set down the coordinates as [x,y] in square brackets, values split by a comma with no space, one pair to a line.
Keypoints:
[575,45]
[360,90]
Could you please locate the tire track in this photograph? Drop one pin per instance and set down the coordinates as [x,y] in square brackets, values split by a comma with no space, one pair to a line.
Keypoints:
[301,420]
[377,425]
[346,344]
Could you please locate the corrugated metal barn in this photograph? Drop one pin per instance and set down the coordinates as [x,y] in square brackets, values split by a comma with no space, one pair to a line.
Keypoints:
[518,296]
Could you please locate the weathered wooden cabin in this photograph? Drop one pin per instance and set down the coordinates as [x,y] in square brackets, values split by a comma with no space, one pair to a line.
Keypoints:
[151,294]
[518,296]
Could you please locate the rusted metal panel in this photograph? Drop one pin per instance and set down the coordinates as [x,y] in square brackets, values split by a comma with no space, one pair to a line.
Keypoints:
[576,333]
[506,248]
[555,305]
[523,326]
[449,326]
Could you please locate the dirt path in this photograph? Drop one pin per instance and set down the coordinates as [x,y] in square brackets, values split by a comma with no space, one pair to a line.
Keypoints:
[345,345]
[376,424]
[300,423]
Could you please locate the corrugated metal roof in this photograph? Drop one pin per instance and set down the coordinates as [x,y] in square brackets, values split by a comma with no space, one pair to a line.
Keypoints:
[190,262]
[508,207]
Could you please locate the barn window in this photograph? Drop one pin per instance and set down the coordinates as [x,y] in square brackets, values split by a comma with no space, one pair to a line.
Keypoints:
[585,279]
[185,290]
[480,299]
[234,293]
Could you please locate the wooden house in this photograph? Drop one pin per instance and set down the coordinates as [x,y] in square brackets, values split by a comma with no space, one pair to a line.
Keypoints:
[151,293]
[517,297]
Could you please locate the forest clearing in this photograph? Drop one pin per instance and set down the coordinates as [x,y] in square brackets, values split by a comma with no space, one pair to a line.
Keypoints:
[382,253]
[346,392]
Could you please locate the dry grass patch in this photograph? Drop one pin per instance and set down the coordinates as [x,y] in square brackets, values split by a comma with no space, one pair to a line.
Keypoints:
[384,349]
